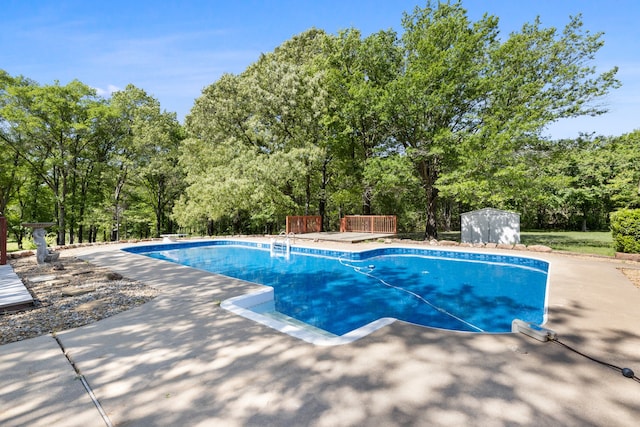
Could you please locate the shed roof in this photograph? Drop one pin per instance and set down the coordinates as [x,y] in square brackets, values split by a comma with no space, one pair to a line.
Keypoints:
[490,211]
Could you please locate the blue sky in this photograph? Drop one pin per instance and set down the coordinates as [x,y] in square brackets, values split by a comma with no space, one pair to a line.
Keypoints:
[173,49]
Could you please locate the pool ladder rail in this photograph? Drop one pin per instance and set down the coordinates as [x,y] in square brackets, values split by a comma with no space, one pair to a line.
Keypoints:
[281,245]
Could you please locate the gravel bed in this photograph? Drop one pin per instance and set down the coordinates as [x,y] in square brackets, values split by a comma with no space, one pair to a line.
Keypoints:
[633,275]
[68,294]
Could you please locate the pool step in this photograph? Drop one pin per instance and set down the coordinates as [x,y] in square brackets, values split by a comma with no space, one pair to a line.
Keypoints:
[268,309]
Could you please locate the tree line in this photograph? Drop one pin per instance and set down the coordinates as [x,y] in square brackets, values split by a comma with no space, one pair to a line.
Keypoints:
[94,165]
[446,117]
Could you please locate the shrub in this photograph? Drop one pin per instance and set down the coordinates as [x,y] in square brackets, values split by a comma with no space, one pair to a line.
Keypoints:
[625,227]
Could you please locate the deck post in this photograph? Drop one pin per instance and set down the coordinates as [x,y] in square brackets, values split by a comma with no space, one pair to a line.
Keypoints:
[3,240]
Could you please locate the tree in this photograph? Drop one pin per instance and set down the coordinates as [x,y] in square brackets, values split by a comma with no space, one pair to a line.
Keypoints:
[143,160]
[49,127]
[394,188]
[219,139]
[359,72]
[255,140]
[467,103]
[9,159]
[625,186]
[590,166]
[160,179]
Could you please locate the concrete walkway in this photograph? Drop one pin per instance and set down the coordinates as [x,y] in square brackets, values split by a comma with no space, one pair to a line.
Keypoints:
[182,360]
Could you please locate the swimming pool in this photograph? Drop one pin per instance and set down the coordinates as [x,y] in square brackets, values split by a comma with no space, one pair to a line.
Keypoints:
[344,295]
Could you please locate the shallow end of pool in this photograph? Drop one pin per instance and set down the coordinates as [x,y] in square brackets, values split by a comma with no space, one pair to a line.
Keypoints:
[241,305]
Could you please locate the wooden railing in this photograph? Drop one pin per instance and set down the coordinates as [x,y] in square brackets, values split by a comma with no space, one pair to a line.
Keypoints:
[3,240]
[304,224]
[385,224]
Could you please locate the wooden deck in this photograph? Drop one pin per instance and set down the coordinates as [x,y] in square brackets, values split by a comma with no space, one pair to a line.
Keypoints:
[348,237]
[13,294]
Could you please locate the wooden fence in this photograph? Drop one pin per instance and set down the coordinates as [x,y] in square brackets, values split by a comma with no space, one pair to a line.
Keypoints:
[304,224]
[384,224]
[3,240]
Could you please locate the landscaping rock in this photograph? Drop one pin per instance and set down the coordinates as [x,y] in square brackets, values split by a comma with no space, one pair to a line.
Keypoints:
[58,282]
[88,297]
[44,278]
[82,272]
[73,291]
[539,248]
[628,257]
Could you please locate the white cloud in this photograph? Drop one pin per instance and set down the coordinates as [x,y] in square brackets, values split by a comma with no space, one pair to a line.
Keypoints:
[108,91]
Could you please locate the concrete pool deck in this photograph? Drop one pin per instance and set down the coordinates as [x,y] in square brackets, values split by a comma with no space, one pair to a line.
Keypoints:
[182,360]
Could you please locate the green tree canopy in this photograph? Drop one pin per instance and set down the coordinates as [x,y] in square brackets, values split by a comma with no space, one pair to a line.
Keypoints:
[469,103]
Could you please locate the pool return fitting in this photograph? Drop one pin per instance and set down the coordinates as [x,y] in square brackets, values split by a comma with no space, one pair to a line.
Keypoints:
[532,330]
[543,334]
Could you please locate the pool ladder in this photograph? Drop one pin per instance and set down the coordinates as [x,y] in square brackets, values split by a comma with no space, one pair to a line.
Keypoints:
[281,245]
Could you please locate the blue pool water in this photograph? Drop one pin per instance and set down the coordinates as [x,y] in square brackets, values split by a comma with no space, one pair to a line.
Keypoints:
[342,291]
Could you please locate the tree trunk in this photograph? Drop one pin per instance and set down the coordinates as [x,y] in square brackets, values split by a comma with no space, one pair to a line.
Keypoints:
[80,231]
[115,231]
[366,201]
[448,210]
[322,203]
[4,196]
[427,169]
[61,225]
[431,229]
[158,209]
[307,189]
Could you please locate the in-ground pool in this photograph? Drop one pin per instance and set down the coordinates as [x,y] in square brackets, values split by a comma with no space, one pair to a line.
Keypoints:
[327,296]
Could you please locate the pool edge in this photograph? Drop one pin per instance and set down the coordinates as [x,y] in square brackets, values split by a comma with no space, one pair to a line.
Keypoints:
[240,306]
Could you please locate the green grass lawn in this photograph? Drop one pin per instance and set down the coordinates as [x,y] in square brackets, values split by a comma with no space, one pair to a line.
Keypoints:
[589,242]
[12,246]
[27,244]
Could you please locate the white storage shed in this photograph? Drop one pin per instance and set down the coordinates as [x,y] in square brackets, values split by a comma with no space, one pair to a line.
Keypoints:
[490,226]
